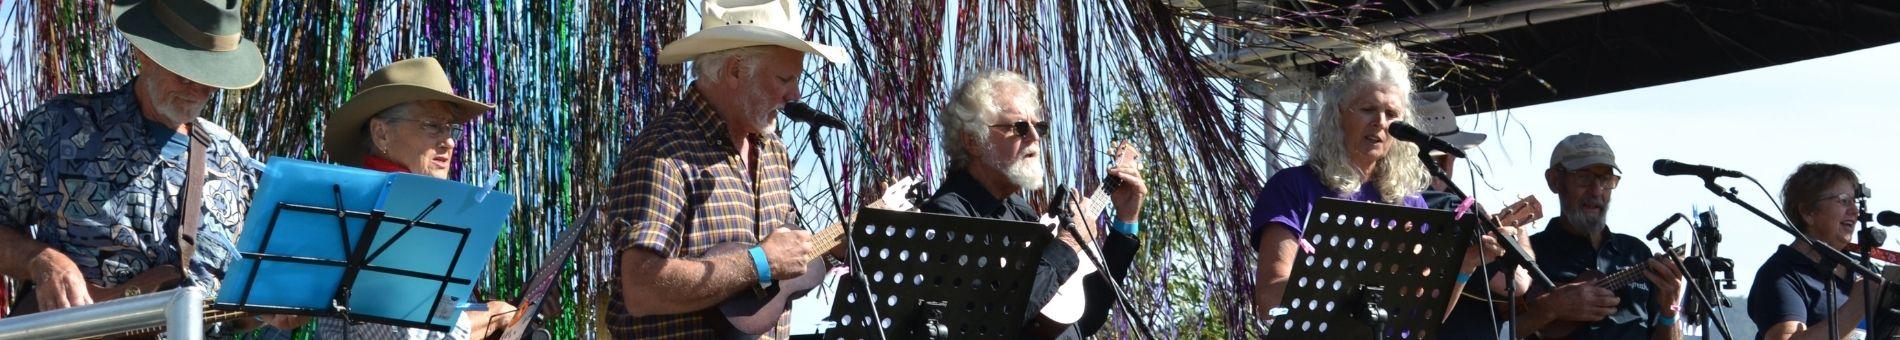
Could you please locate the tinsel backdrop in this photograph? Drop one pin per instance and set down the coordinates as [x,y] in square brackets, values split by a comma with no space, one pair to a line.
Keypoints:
[575,80]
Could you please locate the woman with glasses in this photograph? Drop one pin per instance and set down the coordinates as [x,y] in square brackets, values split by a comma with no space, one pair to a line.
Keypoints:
[1790,297]
[406,119]
[1350,156]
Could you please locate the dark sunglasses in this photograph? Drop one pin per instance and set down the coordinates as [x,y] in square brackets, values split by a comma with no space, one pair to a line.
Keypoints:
[1021,128]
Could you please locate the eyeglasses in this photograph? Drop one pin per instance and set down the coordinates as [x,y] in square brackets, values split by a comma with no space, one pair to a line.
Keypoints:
[437,130]
[1021,128]
[1605,181]
[1845,200]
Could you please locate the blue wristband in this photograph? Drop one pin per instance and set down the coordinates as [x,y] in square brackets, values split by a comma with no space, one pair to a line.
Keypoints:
[1130,228]
[1666,321]
[1462,277]
[758,261]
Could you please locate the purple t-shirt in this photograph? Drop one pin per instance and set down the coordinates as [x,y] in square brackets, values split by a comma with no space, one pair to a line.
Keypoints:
[1290,194]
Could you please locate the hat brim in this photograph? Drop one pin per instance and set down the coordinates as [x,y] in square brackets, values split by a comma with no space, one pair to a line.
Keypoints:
[735,36]
[236,69]
[343,130]
[1580,163]
[1462,140]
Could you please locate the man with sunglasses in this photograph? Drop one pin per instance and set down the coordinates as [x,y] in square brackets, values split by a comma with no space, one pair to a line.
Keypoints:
[1583,172]
[992,134]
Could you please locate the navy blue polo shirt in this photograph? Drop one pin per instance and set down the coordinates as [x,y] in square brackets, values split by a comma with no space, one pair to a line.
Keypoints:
[1789,287]
[1565,256]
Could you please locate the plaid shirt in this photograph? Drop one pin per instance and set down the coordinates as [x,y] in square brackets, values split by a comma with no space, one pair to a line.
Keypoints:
[683,190]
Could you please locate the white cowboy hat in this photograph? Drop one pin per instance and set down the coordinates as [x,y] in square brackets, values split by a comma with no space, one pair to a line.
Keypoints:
[729,24]
[1435,118]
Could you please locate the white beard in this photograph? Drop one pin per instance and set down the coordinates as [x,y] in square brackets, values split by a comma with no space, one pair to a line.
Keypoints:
[165,104]
[1026,172]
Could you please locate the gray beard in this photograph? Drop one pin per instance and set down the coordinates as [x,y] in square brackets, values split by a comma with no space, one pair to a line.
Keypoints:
[1585,223]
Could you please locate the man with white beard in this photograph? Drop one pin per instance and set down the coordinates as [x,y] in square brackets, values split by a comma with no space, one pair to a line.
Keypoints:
[1583,172]
[992,133]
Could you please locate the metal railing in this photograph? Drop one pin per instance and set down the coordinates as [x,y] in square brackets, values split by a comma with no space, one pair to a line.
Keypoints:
[180,311]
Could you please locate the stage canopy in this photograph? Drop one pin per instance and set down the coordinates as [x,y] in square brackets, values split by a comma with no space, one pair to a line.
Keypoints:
[1508,54]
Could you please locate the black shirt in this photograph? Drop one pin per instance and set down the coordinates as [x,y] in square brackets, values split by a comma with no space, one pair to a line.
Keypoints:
[1789,287]
[1565,256]
[962,195]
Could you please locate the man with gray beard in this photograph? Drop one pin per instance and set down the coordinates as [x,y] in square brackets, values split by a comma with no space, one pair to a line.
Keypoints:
[1583,172]
[992,133]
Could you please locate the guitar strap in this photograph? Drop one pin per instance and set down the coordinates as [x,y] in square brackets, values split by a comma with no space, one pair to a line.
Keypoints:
[192,202]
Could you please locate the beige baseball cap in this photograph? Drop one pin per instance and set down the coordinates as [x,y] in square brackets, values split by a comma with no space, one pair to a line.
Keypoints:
[1582,150]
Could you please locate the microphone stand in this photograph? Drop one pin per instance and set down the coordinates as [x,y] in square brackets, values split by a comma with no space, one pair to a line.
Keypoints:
[856,262]
[1828,254]
[1867,245]
[1063,218]
[1708,304]
[1513,252]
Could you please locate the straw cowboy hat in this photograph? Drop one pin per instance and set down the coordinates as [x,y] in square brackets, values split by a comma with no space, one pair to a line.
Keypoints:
[729,24]
[200,40]
[1435,118]
[402,81]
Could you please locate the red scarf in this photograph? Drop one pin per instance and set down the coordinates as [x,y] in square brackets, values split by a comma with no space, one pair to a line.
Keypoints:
[373,162]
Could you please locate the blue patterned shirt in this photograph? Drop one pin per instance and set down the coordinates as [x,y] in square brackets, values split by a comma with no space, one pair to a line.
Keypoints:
[89,176]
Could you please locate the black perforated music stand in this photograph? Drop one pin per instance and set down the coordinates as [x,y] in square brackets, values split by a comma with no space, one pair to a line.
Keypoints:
[971,276]
[1401,260]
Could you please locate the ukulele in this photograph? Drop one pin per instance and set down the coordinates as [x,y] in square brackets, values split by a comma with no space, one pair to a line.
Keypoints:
[1518,214]
[1069,303]
[757,312]
[1561,329]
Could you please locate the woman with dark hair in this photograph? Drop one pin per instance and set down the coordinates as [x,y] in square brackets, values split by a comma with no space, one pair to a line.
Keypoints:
[1789,298]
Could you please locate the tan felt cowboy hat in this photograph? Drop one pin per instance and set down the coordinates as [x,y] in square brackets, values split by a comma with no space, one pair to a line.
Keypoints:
[1435,117]
[729,24]
[402,81]
[200,40]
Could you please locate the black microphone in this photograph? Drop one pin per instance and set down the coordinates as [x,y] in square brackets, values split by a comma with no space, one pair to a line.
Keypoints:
[1655,233]
[1059,205]
[1405,132]
[1673,168]
[798,111]
[1888,218]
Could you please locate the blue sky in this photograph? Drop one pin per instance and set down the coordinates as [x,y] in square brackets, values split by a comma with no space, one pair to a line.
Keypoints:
[1762,122]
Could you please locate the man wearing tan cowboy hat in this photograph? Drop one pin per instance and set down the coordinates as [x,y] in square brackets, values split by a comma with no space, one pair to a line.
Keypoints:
[406,118]
[131,182]
[708,171]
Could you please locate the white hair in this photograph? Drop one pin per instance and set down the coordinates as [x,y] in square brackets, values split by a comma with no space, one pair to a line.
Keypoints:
[973,101]
[708,66]
[1396,176]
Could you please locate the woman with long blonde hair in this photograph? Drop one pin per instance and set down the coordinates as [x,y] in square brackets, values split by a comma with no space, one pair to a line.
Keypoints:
[1351,156]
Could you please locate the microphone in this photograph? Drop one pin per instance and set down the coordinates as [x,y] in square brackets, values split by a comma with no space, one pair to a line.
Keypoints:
[1059,205]
[798,111]
[1888,218]
[1655,233]
[1405,132]
[1673,168]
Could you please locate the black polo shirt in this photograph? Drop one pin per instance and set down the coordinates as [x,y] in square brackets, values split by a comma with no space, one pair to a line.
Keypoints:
[1789,287]
[962,195]
[1565,256]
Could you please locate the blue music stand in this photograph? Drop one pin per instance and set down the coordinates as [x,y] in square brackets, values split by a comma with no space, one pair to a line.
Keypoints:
[303,250]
